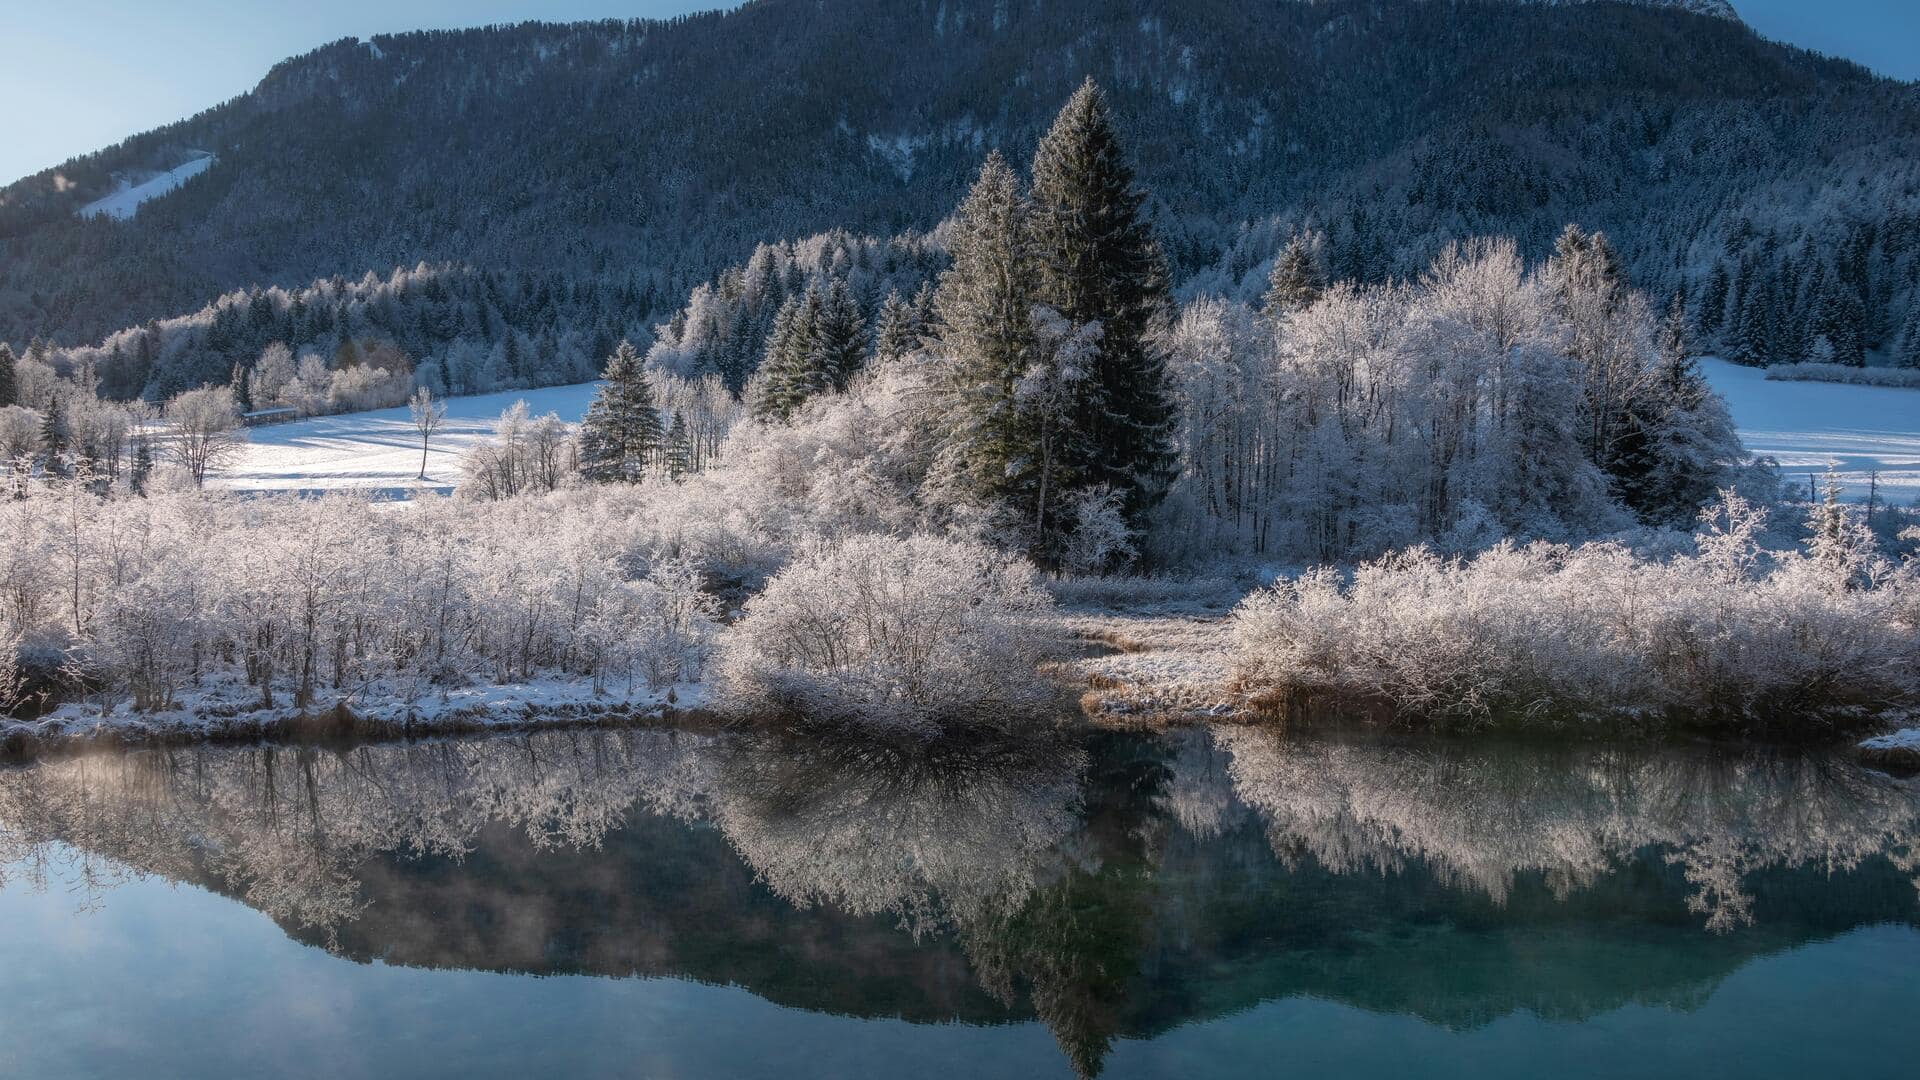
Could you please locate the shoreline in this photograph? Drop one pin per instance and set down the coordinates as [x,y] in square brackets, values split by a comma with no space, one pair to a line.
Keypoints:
[1156,667]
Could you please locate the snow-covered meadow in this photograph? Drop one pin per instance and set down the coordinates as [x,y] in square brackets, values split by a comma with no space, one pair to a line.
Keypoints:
[1862,430]
[1805,425]
[379,451]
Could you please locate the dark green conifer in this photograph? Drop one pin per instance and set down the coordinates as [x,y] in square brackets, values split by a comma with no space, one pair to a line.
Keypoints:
[1099,263]
[620,435]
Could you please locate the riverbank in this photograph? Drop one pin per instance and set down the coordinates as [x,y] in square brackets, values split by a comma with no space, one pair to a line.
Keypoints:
[229,711]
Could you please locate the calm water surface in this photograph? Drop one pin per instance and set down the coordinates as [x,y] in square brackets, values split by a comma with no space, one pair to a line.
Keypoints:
[671,904]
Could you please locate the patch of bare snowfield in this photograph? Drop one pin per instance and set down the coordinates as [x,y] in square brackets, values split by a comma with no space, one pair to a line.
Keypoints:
[380,450]
[1870,433]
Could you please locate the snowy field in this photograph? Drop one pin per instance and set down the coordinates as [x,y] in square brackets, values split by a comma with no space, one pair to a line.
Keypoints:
[1805,425]
[380,450]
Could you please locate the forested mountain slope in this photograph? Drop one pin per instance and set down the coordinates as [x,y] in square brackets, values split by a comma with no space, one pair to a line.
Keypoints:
[580,178]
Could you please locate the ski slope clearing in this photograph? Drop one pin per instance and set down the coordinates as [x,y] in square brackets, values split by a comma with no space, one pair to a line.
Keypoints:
[123,204]
[380,450]
[1805,425]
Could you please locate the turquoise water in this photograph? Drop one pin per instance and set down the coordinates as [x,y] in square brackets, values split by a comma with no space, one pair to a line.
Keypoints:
[672,904]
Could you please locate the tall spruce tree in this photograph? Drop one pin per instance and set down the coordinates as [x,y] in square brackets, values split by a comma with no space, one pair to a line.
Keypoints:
[1713,301]
[983,326]
[795,368]
[1842,321]
[840,339]
[53,437]
[1749,341]
[9,377]
[1098,263]
[620,435]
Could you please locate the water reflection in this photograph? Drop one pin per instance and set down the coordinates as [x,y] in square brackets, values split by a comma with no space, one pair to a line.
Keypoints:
[1113,886]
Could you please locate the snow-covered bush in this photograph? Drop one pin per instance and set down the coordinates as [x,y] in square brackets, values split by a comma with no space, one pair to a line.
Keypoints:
[1547,632]
[916,634]
[312,601]
[526,455]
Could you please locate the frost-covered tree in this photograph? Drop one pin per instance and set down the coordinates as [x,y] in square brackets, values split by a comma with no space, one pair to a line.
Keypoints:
[204,430]
[620,435]
[898,328]
[984,330]
[19,443]
[1296,281]
[526,455]
[913,634]
[1098,263]
[428,415]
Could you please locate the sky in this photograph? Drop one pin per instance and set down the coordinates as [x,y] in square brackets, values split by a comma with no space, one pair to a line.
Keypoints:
[80,75]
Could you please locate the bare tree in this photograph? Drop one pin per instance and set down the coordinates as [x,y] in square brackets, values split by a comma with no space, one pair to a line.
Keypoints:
[428,415]
[19,441]
[207,430]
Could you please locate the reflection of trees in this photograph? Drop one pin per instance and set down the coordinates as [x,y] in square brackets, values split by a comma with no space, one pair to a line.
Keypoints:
[1478,816]
[1119,885]
[1078,941]
[288,829]
[936,834]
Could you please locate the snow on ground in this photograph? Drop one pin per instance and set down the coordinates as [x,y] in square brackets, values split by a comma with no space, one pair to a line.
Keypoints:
[1899,749]
[230,708]
[379,451]
[121,205]
[1807,424]
[1803,424]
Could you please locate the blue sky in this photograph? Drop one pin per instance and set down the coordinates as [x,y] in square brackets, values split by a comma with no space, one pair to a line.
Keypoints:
[79,75]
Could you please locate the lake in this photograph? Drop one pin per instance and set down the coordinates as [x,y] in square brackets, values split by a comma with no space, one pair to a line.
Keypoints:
[1226,903]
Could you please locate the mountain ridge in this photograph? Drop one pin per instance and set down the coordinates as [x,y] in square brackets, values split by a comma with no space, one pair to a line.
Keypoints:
[663,151]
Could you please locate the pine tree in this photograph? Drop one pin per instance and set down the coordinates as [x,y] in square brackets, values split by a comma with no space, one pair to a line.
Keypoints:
[1748,341]
[796,365]
[679,449]
[243,388]
[1842,321]
[53,437]
[1098,263]
[984,329]
[1908,355]
[897,329]
[1295,282]
[840,342]
[9,377]
[620,435]
[1713,301]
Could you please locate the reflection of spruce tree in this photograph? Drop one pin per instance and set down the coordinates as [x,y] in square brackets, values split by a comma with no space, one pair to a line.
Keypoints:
[1078,944]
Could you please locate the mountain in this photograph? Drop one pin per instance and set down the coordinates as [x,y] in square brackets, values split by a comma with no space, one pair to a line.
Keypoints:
[605,168]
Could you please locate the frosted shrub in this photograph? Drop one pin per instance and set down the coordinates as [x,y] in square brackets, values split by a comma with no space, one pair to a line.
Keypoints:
[1548,632]
[913,634]
[310,602]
